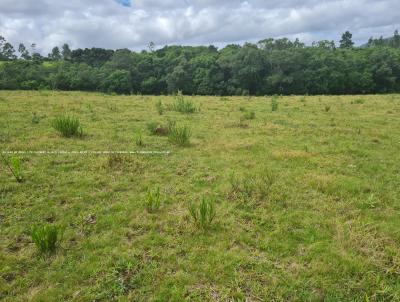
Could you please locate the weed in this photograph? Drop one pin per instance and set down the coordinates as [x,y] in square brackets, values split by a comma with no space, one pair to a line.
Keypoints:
[153,201]
[250,115]
[68,126]
[202,214]
[358,101]
[242,109]
[139,138]
[35,118]
[14,165]
[179,135]
[184,106]
[47,238]
[160,107]
[327,108]
[274,103]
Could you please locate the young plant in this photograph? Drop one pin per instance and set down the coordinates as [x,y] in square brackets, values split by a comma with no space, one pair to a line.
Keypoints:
[47,238]
[179,135]
[139,138]
[68,126]
[14,165]
[160,107]
[35,118]
[249,115]
[274,103]
[327,108]
[202,214]
[184,106]
[153,201]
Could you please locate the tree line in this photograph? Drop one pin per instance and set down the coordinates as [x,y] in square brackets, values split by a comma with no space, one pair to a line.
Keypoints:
[271,66]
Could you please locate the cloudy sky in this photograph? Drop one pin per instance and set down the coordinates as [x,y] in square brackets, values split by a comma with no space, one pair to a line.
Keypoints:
[134,23]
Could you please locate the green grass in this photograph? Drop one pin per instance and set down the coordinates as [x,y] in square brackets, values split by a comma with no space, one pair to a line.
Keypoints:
[68,126]
[307,201]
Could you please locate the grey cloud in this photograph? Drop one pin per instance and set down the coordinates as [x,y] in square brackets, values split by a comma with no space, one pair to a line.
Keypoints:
[105,23]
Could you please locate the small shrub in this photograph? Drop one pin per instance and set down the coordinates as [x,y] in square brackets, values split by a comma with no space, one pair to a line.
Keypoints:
[68,126]
[250,115]
[160,107]
[47,238]
[274,103]
[202,214]
[179,135]
[153,201]
[139,138]
[327,108]
[184,106]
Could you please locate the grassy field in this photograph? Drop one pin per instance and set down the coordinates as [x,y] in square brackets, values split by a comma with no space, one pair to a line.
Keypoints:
[306,199]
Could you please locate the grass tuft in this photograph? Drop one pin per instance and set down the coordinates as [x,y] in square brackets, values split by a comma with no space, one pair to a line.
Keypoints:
[47,238]
[68,126]
[202,214]
[179,135]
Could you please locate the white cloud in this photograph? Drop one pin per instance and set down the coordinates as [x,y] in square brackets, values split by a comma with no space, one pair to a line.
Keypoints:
[106,23]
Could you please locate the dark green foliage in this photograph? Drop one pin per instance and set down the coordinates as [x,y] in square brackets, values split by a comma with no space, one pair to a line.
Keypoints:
[47,238]
[280,66]
[202,214]
[68,126]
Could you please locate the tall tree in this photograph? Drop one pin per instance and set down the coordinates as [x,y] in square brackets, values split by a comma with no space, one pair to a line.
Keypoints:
[66,52]
[55,54]
[24,53]
[346,41]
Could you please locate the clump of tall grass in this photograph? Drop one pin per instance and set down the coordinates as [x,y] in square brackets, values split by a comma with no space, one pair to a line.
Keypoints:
[160,107]
[139,138]
[202,214]
[327,108]
[274,103]
[47,238]
[252,186]
[35,118]
[249,115]
[68,126]
[153,200]
[182,105]
[179,135]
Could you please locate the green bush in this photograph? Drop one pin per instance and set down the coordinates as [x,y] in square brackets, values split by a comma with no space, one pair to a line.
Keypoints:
[68,126]
[202,214]
[153,201]
[47,238]
[179,135]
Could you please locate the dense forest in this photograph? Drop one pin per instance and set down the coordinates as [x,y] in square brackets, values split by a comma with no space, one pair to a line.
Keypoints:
[271,66]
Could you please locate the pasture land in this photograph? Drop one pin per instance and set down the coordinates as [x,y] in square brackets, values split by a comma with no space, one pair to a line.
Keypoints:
[301,202]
